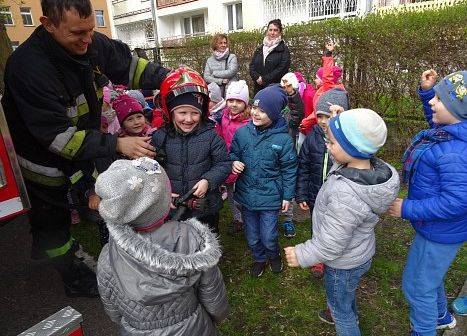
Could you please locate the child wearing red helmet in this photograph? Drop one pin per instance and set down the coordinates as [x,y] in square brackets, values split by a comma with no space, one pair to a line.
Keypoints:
[192,153]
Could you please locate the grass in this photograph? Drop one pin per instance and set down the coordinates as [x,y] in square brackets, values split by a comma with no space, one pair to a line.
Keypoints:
[287,304]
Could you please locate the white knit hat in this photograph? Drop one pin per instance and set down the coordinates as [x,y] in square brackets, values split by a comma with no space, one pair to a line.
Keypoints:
[238,90]
[289,79]
[134,192]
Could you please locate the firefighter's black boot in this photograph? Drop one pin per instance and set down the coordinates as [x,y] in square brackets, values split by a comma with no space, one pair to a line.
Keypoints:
[78,279]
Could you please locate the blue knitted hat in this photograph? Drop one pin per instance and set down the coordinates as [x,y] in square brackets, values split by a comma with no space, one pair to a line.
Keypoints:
[452,91]
[271,100]
[360,132]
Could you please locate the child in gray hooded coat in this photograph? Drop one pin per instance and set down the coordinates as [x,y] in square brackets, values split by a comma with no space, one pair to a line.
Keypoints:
[155,278]
[358,189]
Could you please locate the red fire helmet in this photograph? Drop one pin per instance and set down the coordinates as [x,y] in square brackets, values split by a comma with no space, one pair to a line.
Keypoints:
[180,81]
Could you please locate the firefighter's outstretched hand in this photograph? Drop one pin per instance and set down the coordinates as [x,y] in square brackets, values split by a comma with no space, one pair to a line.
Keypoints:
[135,147]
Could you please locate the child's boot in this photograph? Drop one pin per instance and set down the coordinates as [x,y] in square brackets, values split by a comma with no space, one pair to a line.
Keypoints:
[257,268]
[276,264]
[446,321]
[460,306]
[326,316]
[289,229]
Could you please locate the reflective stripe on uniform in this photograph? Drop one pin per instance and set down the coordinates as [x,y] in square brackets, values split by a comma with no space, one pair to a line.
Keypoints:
[62,139]
[79,109]
[41,174]
[76,177]
[56,252]
[140,66]
[68,143]
[73,145]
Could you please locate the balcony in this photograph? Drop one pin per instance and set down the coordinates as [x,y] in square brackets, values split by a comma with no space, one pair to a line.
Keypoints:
[383,6]
[178,40]
[170,3]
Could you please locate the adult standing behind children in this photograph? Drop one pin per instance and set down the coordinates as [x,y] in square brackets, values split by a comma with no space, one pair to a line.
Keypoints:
[155,277]
[271,60]
[222,66]
[192,153]
[52,102]
[435,168]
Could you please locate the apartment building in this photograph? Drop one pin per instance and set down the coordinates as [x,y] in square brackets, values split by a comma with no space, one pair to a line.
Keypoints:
[133,22]
[22,17]
[178,19]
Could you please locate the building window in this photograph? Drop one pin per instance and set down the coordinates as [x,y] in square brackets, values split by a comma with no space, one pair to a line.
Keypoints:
[100,18]
[5,15]
[26,16]
[193,25]
[234,16]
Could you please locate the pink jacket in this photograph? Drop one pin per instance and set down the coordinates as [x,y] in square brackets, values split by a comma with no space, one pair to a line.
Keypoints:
[226,130]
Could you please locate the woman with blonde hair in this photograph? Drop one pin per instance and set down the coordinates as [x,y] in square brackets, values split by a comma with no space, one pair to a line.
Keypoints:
[222,66]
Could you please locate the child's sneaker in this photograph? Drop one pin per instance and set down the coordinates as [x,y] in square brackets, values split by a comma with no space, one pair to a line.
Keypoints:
[325,316]
[459,306]
[289,229]
[317,271]
[276,265]
[446,321]
[257,268]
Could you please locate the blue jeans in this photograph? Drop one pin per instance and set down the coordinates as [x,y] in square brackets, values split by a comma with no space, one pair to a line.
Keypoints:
[261,232]
[341,285]
[422,282]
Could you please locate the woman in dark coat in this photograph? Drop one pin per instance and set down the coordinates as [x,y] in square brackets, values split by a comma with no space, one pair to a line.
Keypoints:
[271,59]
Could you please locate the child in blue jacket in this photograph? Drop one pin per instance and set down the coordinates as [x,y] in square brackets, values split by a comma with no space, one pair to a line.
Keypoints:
[435,167]
[264,157]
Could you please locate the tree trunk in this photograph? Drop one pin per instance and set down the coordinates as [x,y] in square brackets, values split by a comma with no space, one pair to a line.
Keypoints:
[5,51]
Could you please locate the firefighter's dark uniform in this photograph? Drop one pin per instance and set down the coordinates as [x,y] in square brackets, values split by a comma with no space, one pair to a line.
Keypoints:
[52,103]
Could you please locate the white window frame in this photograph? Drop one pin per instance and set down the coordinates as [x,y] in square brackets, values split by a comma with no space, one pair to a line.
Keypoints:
[103,17]
[233,7]
[28,13]
[190,18]
[6,11]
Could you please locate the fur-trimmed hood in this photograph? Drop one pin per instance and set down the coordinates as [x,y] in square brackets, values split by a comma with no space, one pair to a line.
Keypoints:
[152,267]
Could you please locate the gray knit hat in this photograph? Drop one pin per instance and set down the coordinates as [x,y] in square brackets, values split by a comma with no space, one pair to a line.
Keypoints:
[134,192]
[332,97]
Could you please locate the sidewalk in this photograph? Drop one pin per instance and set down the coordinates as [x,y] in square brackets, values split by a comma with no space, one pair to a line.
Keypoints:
[30,291]
[461,327]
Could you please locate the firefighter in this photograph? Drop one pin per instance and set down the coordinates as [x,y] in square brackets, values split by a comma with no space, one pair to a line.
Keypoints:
[52,102]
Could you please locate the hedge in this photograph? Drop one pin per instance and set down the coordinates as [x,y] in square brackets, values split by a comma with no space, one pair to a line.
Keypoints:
[382,56]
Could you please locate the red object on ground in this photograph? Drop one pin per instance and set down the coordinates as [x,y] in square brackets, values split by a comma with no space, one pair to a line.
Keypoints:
[13,197]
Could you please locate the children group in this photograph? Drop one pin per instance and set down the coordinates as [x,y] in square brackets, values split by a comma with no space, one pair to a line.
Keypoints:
[159,276]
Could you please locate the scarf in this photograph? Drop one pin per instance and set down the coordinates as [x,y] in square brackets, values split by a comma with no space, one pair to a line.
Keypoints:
[269,45]
[220,55]
[423,141]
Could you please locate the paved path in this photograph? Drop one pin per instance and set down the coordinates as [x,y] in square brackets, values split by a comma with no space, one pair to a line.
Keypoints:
[31,291]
